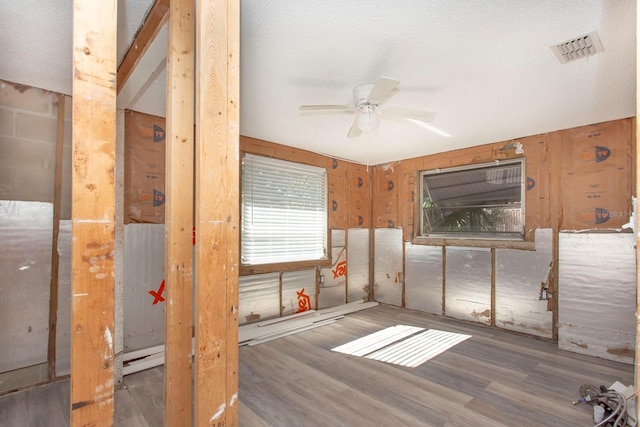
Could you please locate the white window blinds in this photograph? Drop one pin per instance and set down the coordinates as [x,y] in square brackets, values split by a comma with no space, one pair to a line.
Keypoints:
[284,211]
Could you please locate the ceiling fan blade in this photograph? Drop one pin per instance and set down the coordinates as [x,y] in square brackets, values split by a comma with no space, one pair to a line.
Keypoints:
[326,108]
[396,113]
[389,96]
[355,131]
[381,90]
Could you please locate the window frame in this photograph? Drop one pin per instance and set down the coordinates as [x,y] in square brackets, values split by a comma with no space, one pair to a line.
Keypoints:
[470,238]
[265,267]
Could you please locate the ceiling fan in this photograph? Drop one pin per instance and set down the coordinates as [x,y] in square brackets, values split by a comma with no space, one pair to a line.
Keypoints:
[368,101]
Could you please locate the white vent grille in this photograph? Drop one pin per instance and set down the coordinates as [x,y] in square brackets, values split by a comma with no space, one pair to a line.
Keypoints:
[578,48]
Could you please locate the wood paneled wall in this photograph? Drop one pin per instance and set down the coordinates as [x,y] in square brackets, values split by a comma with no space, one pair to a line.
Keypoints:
[577,179]
[349,183]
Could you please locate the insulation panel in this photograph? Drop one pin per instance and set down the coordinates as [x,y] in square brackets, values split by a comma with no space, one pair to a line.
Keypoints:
[143,286]
[358,271]
[25,244]
[63,323]
[334,280]
[259,297]
[423,277]
[520,277]
[298,291]
[388,269]
[468,284]
[597,300]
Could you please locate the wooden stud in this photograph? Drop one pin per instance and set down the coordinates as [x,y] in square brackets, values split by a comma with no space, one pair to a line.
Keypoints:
[147,33]
[555,141]
[217,213]
[637,216]
[280,274]
[346,276]
[372,236]
[178,380]
[93,207]
[493,287]
[444,279]
[55,258]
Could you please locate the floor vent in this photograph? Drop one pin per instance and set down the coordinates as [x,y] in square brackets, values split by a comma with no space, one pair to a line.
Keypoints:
[578,48]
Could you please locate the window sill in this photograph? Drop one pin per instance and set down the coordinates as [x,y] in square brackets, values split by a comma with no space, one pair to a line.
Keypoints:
[476,243]
[247,270]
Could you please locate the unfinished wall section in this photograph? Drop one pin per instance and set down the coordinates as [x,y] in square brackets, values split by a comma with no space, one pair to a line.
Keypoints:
[264,293]
[345,278]
[28,138]
[576,180]
[597,313]
[144,163]
[25,244]
[28,143]
[595,176]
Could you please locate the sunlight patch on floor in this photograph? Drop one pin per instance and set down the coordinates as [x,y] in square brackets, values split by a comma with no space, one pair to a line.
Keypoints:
[403,345]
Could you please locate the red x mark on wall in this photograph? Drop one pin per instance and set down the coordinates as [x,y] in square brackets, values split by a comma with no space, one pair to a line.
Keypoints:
[157,296]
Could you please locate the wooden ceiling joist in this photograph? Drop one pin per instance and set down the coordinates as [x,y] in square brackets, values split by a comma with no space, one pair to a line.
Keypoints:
[153,22]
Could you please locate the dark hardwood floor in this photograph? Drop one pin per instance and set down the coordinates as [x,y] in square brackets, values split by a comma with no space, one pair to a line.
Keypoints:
[493,378]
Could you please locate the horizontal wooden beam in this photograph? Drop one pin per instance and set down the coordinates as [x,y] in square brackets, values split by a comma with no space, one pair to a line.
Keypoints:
[146,34]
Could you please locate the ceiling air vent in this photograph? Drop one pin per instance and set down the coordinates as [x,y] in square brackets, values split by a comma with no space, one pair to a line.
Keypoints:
[578,48]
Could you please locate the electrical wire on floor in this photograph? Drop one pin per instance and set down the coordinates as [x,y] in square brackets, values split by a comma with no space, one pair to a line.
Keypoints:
[613,403]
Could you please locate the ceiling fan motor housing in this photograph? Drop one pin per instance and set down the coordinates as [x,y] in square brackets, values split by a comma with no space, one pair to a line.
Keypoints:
[361,96]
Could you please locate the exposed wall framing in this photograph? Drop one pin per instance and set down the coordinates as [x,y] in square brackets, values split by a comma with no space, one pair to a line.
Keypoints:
[577,179]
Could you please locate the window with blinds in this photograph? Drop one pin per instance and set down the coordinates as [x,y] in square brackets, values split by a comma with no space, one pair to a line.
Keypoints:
[284,211]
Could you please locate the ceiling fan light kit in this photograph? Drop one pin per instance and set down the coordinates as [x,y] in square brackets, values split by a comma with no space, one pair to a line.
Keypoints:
[368,100]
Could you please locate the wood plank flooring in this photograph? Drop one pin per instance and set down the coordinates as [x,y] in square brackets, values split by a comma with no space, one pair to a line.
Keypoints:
[494,378]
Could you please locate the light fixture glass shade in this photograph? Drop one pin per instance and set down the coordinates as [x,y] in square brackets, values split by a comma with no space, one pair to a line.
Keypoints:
[368,121]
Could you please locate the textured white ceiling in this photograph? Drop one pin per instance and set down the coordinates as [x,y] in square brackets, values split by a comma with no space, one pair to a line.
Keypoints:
[35,40]
[485,67]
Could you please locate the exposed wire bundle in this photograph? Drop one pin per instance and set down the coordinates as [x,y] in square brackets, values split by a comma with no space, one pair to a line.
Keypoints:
[614,403]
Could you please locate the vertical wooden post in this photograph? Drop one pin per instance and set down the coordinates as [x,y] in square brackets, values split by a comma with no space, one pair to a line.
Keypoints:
[118,256]
[93,202]
[217,212]
[554,143]
[444,279]
[493,287]
[179,214]
[637,218]
[55,258]
[372,234]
